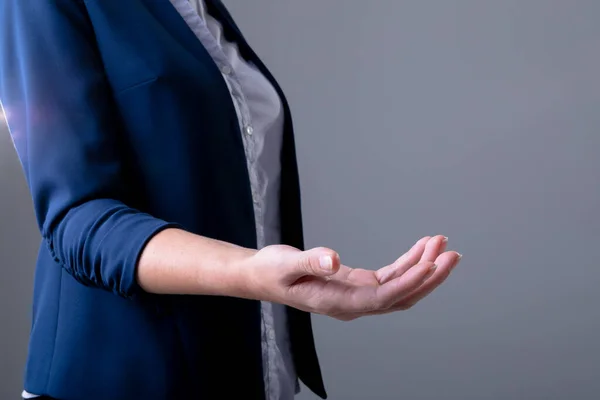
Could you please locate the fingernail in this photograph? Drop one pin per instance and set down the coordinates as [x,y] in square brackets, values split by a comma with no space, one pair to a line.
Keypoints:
[430,272]
[457,261]
[445,239]
[326,263]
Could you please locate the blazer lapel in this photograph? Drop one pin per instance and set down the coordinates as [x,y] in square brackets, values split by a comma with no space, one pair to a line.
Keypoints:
[166,14]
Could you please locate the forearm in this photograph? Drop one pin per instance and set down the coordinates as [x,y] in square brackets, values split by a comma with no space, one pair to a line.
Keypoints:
[178,262]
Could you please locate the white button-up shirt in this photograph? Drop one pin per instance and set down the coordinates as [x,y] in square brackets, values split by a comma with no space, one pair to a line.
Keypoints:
[260,115]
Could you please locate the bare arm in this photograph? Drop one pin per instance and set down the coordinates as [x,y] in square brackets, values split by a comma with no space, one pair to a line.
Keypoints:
[178,262]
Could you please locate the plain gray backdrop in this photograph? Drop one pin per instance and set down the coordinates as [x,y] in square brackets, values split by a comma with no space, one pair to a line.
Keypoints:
[475,119]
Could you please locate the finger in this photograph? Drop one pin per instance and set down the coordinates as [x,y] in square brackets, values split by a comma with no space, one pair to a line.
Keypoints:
[392,291]
[444,244]
[434,248]
[319,261]
[402,264]
[447,262]
[337,298]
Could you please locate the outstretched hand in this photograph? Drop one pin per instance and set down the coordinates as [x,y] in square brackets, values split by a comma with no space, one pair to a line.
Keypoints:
[316,281]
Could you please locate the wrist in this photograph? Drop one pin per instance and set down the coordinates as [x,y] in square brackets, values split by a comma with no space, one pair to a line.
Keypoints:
[235,273]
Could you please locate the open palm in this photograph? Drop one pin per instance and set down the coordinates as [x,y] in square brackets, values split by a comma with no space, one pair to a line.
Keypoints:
[347,293]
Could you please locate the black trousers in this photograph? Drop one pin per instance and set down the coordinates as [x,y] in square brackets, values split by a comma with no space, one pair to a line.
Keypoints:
[41,398]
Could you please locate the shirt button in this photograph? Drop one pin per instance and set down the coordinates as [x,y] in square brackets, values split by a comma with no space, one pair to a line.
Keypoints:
[249,130]
[226,69]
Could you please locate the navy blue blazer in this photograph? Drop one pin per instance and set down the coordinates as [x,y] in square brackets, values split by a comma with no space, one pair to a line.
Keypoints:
[124,127]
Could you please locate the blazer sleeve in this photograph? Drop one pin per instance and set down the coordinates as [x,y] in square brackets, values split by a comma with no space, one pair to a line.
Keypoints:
[65,128]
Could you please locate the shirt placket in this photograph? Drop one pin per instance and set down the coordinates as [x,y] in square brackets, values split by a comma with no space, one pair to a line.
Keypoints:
[251,154]
[247,129]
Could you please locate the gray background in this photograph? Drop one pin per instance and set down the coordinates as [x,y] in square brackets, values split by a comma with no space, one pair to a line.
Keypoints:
[475,119]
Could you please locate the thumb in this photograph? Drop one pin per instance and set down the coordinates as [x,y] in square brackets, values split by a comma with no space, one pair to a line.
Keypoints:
[319,261]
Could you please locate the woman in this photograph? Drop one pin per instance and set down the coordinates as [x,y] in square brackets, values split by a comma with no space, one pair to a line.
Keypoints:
[160,156]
